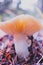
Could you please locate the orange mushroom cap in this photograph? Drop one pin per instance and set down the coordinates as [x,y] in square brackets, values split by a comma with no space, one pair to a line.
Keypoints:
[24,24]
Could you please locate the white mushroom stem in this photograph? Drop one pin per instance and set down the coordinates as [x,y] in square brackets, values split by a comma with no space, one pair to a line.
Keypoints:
[21,45]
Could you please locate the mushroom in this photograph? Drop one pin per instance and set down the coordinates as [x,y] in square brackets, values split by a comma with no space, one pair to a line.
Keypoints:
[20,27]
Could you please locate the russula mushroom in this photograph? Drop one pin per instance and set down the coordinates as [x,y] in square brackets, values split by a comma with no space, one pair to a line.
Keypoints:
[20,27]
